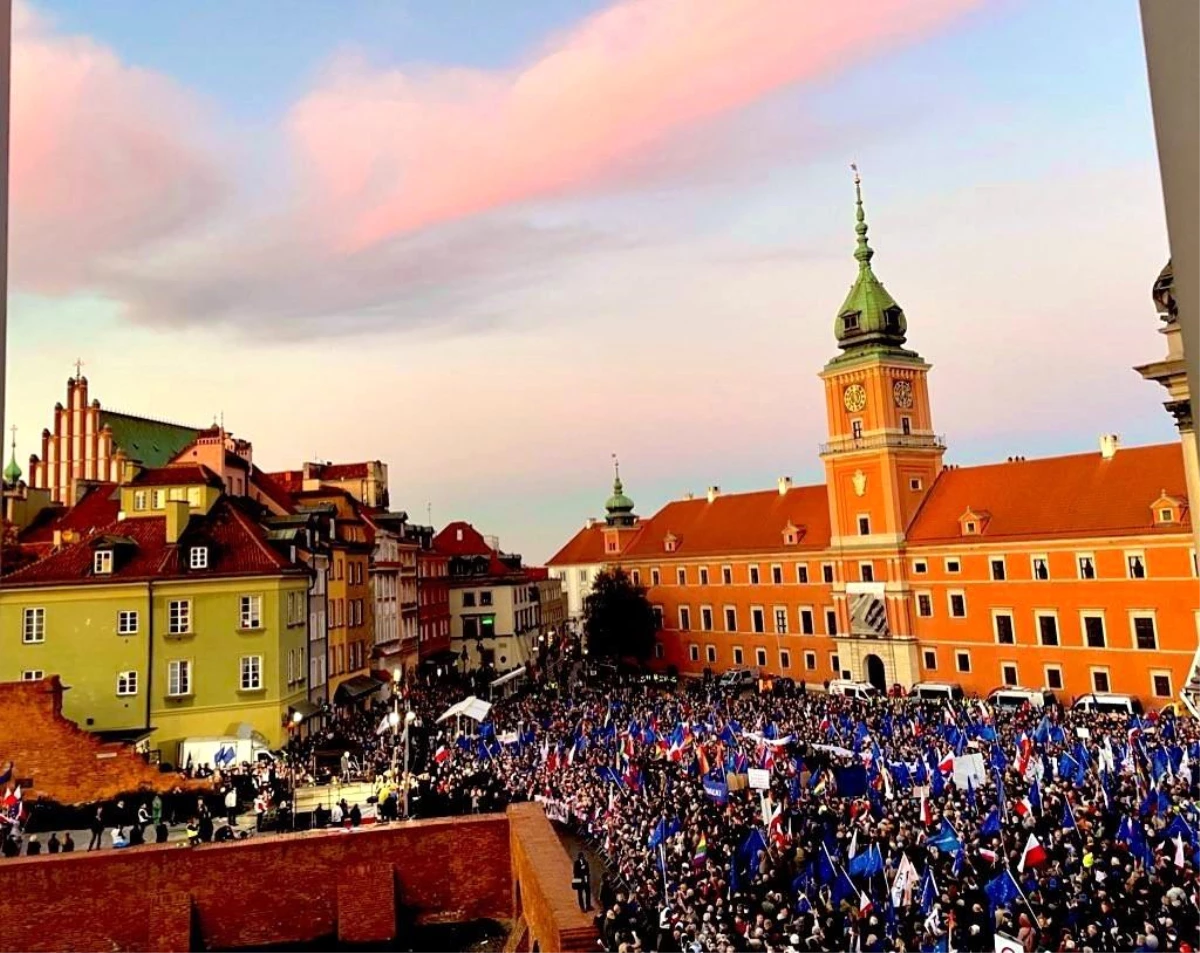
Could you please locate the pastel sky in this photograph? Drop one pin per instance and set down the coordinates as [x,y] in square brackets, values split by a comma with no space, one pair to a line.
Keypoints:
[494,243]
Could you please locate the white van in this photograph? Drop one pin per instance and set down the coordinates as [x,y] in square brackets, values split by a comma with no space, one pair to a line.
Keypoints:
[222,752]
[937,691]
[1012,696]
[1108,703]
[859,690]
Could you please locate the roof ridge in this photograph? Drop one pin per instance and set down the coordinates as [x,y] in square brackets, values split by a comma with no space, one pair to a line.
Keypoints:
[244,521]
[151,420]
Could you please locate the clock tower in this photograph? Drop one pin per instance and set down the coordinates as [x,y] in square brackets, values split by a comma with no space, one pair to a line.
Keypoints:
[882,455]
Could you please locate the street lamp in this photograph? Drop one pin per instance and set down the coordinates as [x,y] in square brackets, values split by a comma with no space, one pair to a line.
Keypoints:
[297,718]
[409,717]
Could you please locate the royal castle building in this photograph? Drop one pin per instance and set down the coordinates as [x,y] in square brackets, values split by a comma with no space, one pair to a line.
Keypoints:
[1074,573]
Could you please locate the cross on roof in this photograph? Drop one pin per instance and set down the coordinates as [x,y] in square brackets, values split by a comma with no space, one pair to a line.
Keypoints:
[78,368]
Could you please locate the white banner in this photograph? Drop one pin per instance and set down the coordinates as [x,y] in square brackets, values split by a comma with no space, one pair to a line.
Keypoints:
[760,779]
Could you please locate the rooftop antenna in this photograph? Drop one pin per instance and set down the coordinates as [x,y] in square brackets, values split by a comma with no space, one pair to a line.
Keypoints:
[429,513]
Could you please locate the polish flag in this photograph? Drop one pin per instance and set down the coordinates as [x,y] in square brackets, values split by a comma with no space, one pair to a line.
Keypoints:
[442,754]
[1034,854]
[1025,749]
[926,812]
[946,765]
[864,904]
[988,855]
[1023,807]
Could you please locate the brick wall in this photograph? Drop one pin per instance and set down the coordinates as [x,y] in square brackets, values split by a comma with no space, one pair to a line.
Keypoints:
[65,763]
[270,890]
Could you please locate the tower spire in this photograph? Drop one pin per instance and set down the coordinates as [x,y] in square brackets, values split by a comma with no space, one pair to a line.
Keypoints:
[619,507]
[12,472]
[863,252]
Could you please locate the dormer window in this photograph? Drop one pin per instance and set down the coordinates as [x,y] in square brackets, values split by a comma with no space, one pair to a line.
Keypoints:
[891,319]
[850,321]
[199,557]
[791,534]
[1166,515]
[1167,510]
[972,523]
[970,528]
[670,543]
[102,562]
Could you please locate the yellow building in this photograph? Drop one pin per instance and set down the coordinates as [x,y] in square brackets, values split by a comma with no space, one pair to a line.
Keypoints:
[164,609]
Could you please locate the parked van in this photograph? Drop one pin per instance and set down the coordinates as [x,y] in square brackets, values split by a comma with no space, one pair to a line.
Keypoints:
[1108,703]
[860,690]
[737,678]
[937,691]
[222,752]
[1012,696]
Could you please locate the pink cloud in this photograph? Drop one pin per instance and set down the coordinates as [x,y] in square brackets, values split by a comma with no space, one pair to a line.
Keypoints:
[105,158]
[394,152]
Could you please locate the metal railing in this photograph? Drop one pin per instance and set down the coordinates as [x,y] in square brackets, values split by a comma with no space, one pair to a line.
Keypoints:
[875,441]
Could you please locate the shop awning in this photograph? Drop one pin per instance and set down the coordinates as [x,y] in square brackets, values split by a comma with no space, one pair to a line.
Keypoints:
[355,688]
[304,708]
[509,677]
[471,707]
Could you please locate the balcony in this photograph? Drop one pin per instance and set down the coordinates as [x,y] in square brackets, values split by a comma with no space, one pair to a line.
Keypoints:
[912,441]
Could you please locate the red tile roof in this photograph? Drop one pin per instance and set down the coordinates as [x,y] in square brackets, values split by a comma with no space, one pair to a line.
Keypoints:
[343,471]
[1074,496]
[290,481]
[97,507]
[585,547]
[472,542]
[272,489]
[237,547]
[179,474]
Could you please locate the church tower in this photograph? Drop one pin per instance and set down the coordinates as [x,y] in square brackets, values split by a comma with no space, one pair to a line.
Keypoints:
[882,455]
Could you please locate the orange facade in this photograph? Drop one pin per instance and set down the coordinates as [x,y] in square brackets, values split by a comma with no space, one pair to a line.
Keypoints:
[1074,573]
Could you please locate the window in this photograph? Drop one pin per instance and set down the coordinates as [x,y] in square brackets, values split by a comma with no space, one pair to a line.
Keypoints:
[1041,567]
[739,657]
[706,618]
[1008,673]
[102,562]
[1160,684]
[997,567]
[32,675]
[635,577]
[962,661]
[198,558]
[850,321]
[953,566]
[1093,630]
[157,499]
[958,605]
[1054,677]
[969,528]
[866,572]
[810,661]
[33,625]
[127,683]
[777,575]
[754,575]
[658,650]
[1137,565]
[924,605]
[914,484]
[251,612]
[1144,636]
[1087,565]
[127,622]
[785,658]
[681,576]
[704,575]
[827,572]
[760,658]
[802,574]
[1195,564]
[864,526]
[730,619]
[757,619]
[658,616]
[291,666]
[781,620]
[179,677]
[469,599]
[930,660]
[179,616]
[806,622]
[685,618]
[831,623]
[251,673]
[485,598]
[856,429]
[710,653]
[139,499]
[1003,624]
[655,579]
[727,575]
[694,653]
[920,567]
[1047,628]
[835,664]
[1100,680]
[193,496]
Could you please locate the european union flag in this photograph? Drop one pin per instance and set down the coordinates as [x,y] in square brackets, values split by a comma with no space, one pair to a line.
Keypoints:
[991,824]
[1003,890]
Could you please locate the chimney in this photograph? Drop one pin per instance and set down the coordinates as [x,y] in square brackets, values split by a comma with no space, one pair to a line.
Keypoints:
[713,493]
[1109,443]
[178,514]
[785,484]
[689,495]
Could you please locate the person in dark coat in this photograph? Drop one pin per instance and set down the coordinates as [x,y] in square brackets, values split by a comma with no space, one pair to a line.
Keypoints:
[53,846]
[97,829]
[161,832]
[34,847]
[582,882]
[68,844]
[206,827]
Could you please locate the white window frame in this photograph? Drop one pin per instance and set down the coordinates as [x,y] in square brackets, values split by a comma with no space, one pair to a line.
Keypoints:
[680,576]
[685,625]
[1095,670]
[726,575]
[179,609]
[198,557]
[959,655]
[127,683]
[1162,673]
[725,610]
[739,656]
[831,613]
[810,661]
[760,657]
[802,576]
[920,567]
[754,574]
[758,625]
[1012,619]
[102,562]
[33,675]
[915,485]
[776,574]
[1134,615]
[812,616]
[1038,615]
[858,523]
[926,655]
[1016,680]
[127,621]
[1057,669]
[33,625]
[179,678]
[1084,615]
[1091,558]
[992,560]
[250,615]
[781,619]
[927,594]
[709,626]
[785,659]
[1034,559]
[950,594]
[139,500]
[158,499]
[869,566]
[250,673]
[947,561]
[710,654]
[694,652]
[634,576]
[291,665]
[830,578]
[703,573]
[1130,555]
[835,663]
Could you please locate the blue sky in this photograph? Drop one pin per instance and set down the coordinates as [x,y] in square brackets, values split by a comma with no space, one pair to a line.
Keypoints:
[675,309]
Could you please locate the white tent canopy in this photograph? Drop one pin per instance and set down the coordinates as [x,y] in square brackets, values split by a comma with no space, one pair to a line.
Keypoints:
[471,707]
[508,677]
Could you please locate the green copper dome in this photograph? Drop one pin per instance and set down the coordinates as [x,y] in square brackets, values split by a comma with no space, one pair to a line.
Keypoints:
[12,472]
[869,316]
[619,506]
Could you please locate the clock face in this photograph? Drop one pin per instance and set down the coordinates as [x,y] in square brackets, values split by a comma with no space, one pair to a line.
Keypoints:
[903,393]
[855,398]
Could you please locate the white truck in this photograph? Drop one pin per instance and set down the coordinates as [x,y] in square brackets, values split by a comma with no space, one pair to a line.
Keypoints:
[222,752]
